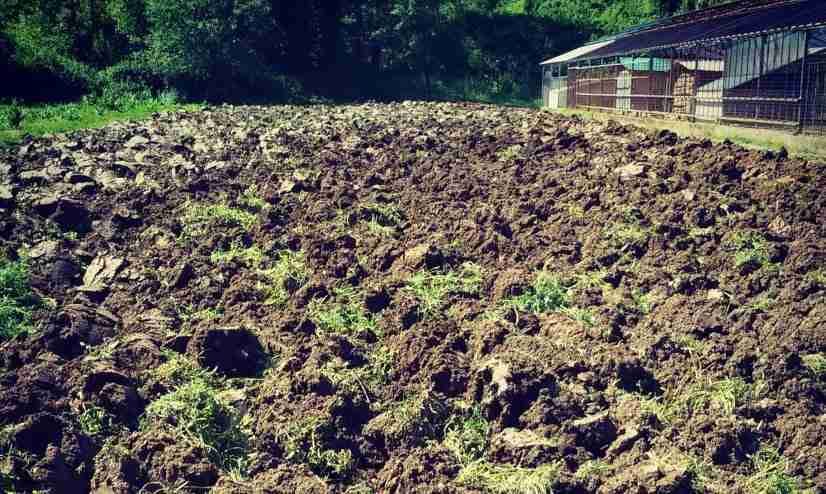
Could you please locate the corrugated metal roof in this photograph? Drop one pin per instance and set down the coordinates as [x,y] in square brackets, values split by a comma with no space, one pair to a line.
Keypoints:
[798,14]
[579,52]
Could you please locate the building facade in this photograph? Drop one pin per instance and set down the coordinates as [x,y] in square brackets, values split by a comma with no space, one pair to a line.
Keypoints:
[753,62]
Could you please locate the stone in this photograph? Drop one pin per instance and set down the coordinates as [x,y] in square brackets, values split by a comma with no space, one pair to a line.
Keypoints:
[624,442]
[630,171]
[47,248]
[84,188]
[136,141]
[102,270]
[779,228]
[287,186]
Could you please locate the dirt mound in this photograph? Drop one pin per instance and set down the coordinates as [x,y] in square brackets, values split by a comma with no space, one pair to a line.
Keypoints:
[411,298]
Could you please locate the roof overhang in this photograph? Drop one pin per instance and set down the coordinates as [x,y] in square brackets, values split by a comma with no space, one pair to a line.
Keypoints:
[577,53]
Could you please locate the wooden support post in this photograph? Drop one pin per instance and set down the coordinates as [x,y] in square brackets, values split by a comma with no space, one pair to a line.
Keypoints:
[802,94]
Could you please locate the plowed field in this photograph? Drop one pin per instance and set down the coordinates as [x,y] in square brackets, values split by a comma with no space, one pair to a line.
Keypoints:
[409,298]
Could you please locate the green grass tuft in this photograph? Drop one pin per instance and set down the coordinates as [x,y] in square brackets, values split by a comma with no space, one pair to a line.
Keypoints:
[197,414]
[199,219]
[816,363]
[346,316]
[751,250]
[249,256]
[467,436]
[593,469]
[310,441]
[17,301]
[431,288]
[95,421]
[509,479]
[703,396]
[547,294]
[287,275]
[771,474]
[367,379]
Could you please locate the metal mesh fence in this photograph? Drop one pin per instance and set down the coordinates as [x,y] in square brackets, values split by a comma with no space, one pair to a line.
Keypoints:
[775,79]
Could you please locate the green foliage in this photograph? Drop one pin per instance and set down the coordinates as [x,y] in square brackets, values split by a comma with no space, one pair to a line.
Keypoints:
[771,474]
[642,301]
[629,233]
[751,250]
[11,116]
[288,274]
[818,276]
[49,119]
[546,294]
[509,479]
[195,411]
[367,379]
[250,256]
[431,288]
[347,316]
[310,441]
[17,302]
[190,314]
[199,219]
[467,436]
[815,363]
[251,199]
[581,315]
[95,421]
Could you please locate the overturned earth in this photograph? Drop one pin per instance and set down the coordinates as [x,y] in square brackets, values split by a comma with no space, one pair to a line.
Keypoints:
[413,297]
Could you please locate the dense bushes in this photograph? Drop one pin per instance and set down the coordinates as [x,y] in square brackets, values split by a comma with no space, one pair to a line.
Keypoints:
[277,50]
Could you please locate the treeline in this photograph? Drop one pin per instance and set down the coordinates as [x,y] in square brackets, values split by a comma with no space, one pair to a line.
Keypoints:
[285,49]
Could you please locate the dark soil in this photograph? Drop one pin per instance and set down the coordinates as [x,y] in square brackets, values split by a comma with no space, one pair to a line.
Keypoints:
[696,271]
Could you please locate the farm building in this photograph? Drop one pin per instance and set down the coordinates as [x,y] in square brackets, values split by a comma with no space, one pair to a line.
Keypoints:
[752,62]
